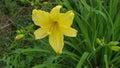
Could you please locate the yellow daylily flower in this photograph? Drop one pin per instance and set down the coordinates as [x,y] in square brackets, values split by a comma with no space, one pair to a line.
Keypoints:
[54,24]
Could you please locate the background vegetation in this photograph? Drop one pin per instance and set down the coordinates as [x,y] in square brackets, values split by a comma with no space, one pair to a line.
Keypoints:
[96,45]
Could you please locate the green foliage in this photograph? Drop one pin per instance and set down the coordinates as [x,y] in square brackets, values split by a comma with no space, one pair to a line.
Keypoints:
[9,6]
[96,19]
[96,45]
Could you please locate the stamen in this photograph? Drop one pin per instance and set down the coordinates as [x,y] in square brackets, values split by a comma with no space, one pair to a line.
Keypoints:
[53,27]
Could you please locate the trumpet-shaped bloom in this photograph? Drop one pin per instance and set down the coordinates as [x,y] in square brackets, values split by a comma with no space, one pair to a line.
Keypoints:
[54,24]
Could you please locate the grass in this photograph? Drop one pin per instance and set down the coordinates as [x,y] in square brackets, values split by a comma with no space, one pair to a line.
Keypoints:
[96,45]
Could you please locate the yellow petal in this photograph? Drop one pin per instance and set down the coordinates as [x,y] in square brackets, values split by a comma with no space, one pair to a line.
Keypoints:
[66,19]
[40,33]
[56,41]
[55,12]
[40,18]
[69,31]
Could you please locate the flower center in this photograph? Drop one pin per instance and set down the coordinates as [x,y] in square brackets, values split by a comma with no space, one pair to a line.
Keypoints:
[54,26]
[55,23]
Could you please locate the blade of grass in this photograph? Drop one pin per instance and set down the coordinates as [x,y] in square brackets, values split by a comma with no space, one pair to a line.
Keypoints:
[113,7]
[82,59]
[106,61]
